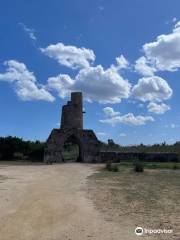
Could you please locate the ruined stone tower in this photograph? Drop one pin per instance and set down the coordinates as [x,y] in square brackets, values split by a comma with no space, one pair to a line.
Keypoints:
[72,114]
[71,128]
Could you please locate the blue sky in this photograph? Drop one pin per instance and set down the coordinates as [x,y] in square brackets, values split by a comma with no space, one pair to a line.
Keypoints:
[123,55]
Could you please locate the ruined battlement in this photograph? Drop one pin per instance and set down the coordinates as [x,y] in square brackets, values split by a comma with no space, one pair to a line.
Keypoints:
[72,112]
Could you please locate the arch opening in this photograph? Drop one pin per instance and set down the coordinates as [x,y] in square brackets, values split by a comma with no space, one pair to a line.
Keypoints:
[72,150]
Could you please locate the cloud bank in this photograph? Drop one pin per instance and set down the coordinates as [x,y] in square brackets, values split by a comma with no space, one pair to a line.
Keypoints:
[103,85]
[24,82]
[161,55]
[113,118]
[96,83]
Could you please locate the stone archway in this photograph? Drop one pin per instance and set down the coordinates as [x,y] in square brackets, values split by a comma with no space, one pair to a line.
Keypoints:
[71,141]
[72,127]
[86,140]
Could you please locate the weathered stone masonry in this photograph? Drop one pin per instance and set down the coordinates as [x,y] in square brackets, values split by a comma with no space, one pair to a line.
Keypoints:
[72,129]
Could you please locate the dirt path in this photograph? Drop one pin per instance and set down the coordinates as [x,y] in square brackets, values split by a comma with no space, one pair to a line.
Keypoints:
[50,203]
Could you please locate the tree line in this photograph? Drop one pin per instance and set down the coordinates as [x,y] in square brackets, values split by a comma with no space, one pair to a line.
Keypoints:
[12,148]
[16,148]
[162,147]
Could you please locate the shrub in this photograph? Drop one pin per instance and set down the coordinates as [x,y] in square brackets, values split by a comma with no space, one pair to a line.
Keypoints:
[109,166]
[175,166]
[112,168]
[138,166]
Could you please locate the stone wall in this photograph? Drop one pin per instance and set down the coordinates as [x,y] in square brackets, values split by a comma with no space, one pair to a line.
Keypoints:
[86,140]
[115,156]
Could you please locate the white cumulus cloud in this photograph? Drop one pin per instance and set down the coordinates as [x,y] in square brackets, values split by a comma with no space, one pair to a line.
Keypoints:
[143,67]
[158,108]
[164,53]
[24,82]
[70,56]
[122,62]
[110,112]
[62,84]
[152,89]
[128,118]
[96,83]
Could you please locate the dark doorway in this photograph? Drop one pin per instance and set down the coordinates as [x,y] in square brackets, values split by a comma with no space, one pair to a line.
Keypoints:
[72,150]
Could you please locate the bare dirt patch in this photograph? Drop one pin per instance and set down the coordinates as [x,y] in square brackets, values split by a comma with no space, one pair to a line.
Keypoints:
[3,178]
[49,202]
[149,199]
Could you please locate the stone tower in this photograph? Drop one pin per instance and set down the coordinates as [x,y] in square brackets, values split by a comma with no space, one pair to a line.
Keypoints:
[72,112]
[71,128]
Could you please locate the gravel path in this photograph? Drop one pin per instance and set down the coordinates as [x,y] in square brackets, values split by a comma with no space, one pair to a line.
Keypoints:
[49,202]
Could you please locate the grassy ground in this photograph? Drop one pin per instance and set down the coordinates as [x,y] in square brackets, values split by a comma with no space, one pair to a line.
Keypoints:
[151,165]
[149,199]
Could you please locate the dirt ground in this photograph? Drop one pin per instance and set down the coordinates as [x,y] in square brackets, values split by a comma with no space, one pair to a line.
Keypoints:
[49,202]
[150,200]
[75,202]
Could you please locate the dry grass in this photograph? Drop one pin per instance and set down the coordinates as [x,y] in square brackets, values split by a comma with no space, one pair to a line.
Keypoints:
[150,199]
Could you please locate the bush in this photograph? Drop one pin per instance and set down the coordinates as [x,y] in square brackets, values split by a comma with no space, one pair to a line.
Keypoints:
[108,166]
[175,167]
[138,166]
[112,168]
